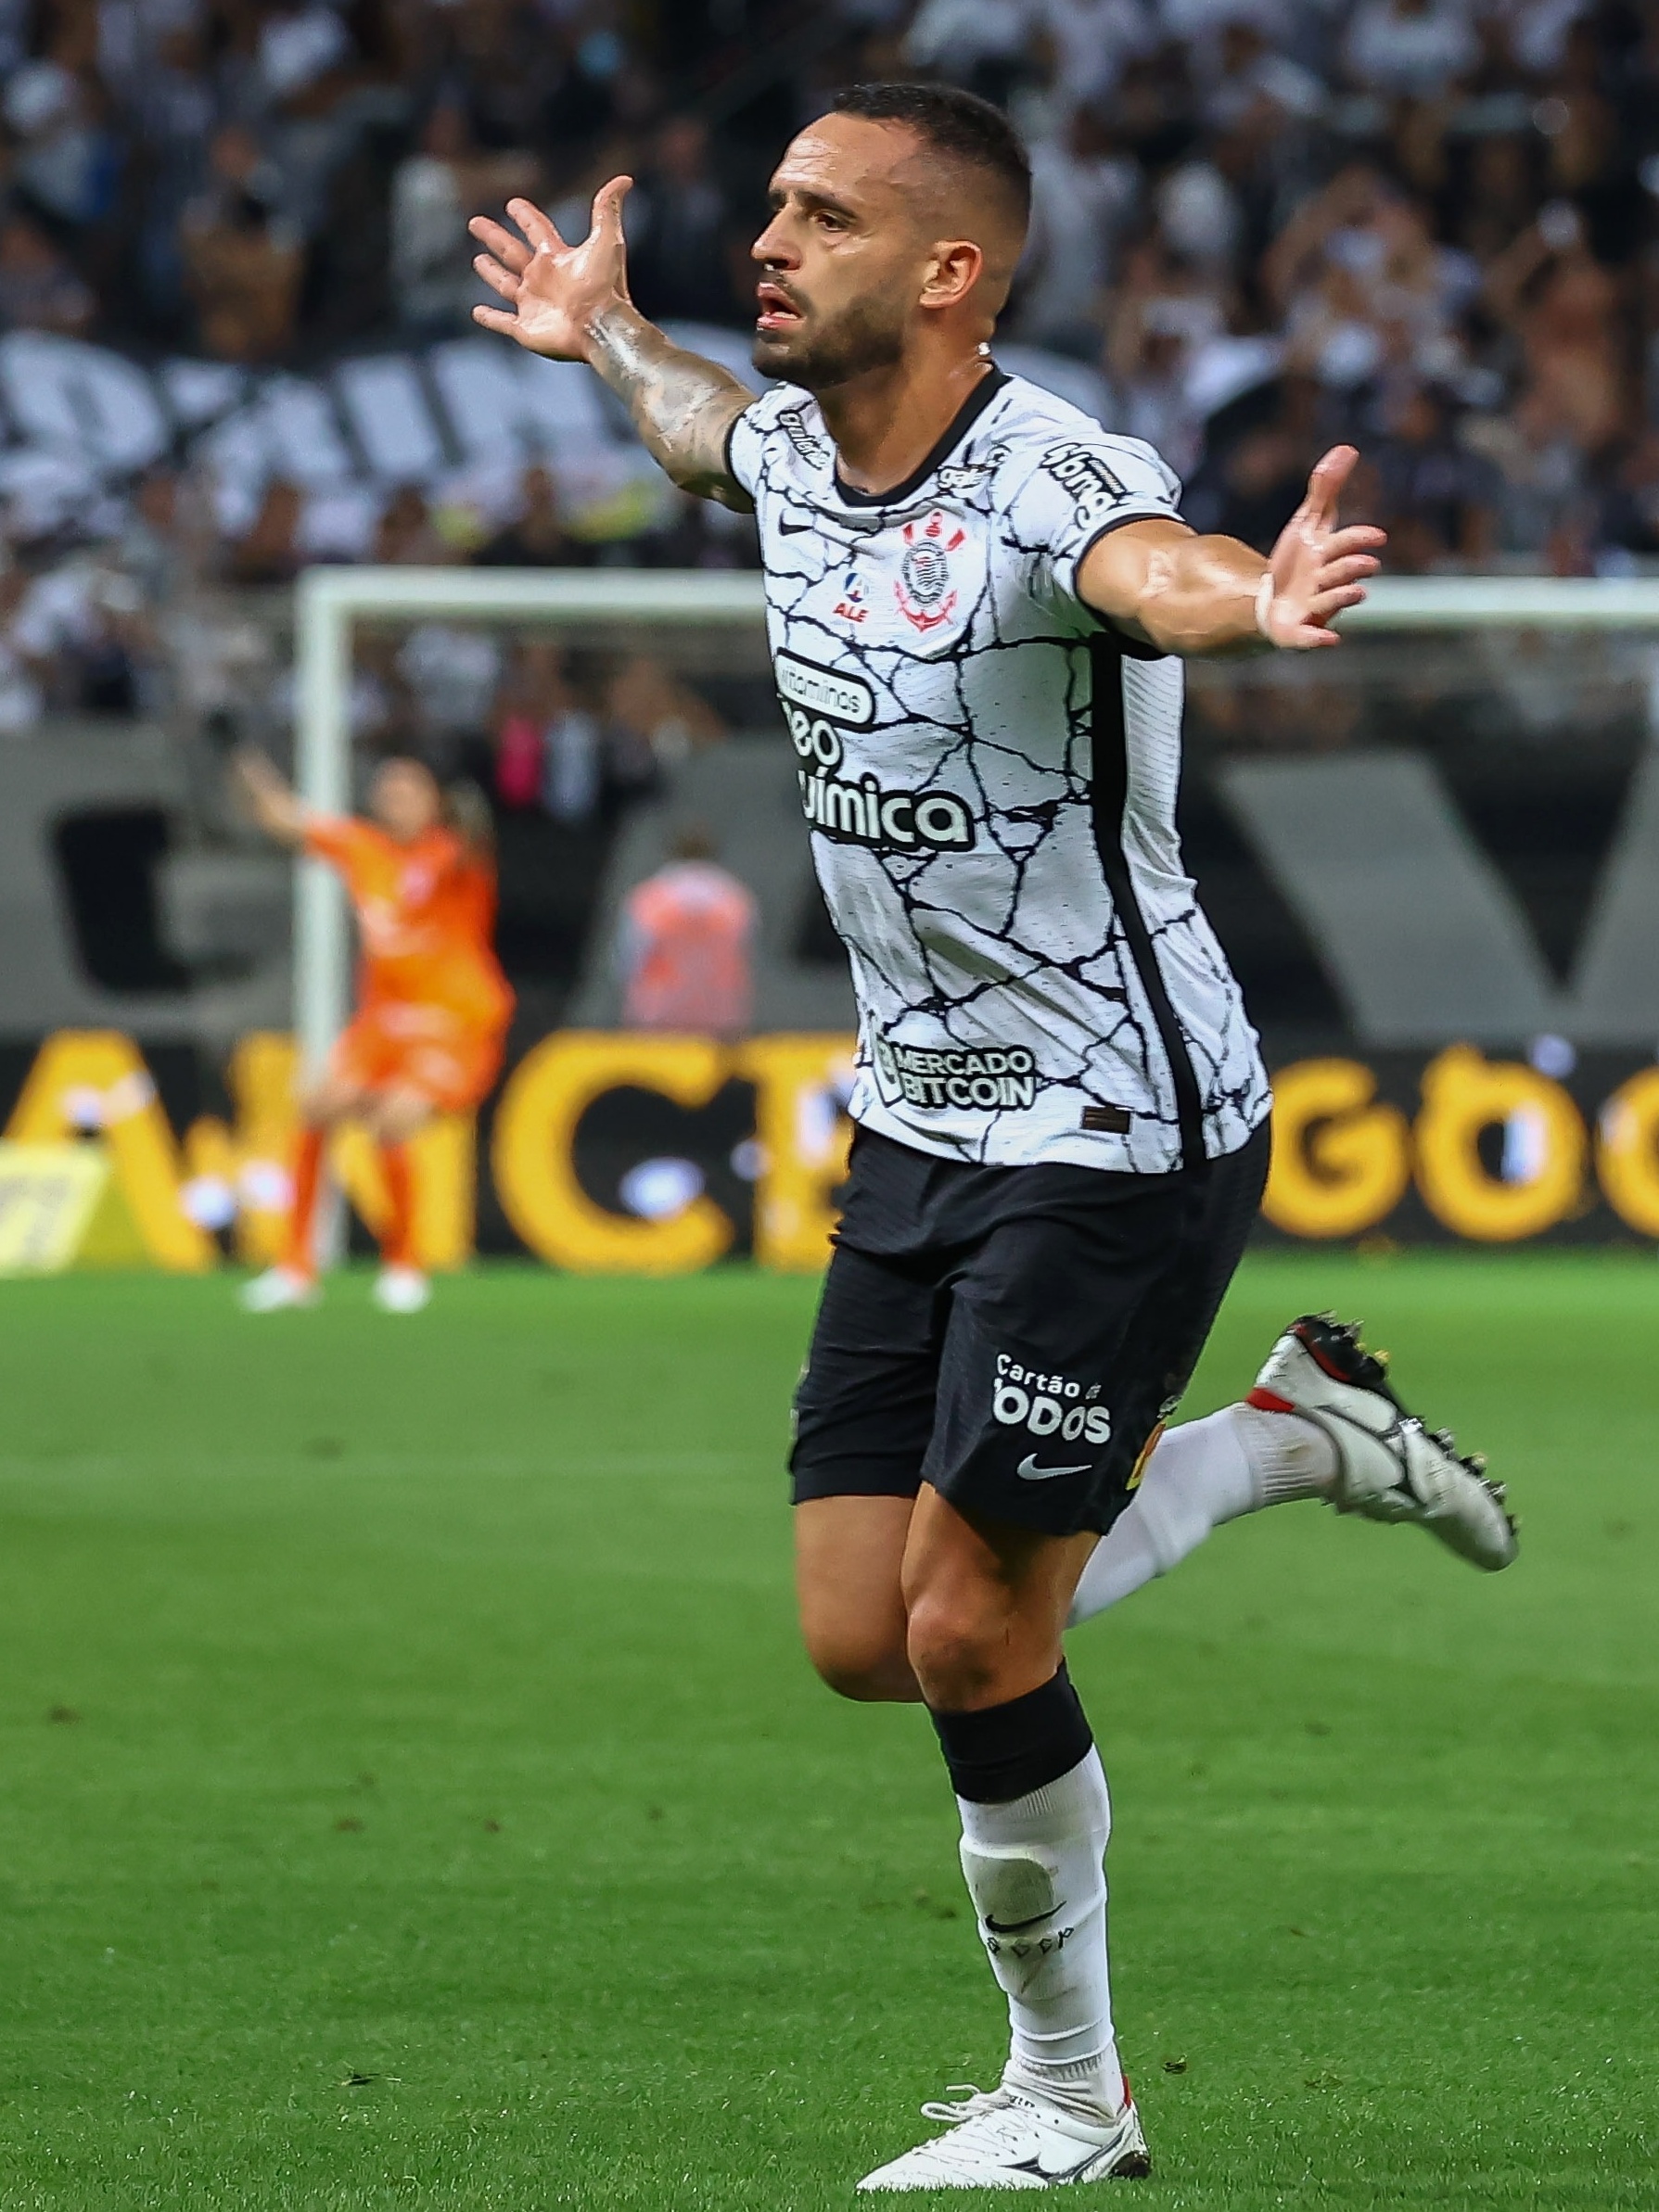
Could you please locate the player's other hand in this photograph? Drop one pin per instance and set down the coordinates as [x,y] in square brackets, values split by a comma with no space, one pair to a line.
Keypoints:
[1318,569]
[554,292]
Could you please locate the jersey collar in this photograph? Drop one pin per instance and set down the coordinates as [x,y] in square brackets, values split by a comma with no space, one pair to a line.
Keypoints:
[961,423]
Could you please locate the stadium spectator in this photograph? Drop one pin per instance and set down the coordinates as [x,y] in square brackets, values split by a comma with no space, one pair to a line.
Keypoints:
[681,232]
[1630,517]
[549,747]
[434,192]
[1397,198]
[64,166]
[1083,190]
[685,946]
[1410,49]
[406,534]
[21,700]
[39,289]
[655,720]
[243,254]
[536,537]
[268,550]
[1433,495]
[1564,307]
[82,633]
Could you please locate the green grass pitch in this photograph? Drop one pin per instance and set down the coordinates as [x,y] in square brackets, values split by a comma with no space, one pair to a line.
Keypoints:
[410,1794]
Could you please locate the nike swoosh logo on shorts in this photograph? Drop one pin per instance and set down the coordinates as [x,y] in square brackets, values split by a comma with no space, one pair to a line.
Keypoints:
[1028,1470]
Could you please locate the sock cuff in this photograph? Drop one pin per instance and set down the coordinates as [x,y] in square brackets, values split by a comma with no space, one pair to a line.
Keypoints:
[1007,1751]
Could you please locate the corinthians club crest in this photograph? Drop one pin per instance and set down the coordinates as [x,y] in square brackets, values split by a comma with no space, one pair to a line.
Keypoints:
[924,590]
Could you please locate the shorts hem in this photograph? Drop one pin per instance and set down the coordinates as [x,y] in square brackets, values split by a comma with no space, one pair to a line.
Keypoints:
[852,1479]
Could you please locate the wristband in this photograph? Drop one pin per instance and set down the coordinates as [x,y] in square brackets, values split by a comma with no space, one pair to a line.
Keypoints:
[1264,600]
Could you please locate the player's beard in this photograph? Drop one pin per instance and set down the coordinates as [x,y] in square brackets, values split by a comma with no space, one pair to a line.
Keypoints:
[867,335]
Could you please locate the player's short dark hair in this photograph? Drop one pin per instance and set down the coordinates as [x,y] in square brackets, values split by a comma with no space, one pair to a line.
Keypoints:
[955,123]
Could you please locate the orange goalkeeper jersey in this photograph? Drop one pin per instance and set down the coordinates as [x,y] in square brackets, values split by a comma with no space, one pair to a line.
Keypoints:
[425,916]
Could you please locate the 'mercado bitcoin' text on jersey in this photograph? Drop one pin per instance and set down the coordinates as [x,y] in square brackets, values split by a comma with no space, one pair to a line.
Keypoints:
[990,773]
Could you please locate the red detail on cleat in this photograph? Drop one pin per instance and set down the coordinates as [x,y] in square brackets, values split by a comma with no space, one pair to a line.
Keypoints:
[1320,1356]
[1268,1401]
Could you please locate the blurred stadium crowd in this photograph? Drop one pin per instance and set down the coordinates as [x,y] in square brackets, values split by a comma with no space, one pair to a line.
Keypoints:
[1431,225]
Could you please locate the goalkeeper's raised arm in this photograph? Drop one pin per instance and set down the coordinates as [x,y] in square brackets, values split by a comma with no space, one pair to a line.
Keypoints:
[571,303]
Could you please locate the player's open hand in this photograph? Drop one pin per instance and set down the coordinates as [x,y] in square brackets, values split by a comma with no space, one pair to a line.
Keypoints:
[1318,569]
[554,291]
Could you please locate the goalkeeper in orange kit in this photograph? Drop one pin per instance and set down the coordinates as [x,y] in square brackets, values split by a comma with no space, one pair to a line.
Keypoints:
[432,1003]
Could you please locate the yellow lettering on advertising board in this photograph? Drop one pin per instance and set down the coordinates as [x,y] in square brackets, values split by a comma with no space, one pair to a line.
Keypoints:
[1463,1094]
[86,1080]
[799,1081]
[534,1160]
[1342,1159]
[1627,1152]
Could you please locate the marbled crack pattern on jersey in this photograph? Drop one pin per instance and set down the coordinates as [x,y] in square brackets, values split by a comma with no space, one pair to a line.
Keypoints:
[936,674]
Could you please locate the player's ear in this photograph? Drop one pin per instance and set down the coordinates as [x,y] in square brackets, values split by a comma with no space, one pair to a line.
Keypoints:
[953,270]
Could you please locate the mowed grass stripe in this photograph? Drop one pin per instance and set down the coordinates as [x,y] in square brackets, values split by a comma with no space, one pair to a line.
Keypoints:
[448,1818]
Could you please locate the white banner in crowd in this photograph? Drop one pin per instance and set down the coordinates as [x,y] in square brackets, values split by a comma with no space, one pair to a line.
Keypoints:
[459,419]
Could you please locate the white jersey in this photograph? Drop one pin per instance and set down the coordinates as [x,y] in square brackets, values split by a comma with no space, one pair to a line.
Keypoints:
[990,773]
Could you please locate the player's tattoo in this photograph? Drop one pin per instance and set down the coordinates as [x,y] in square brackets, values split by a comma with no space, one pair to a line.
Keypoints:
[683,406]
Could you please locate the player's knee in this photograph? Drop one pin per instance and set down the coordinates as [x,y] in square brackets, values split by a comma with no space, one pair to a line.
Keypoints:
[957,1645]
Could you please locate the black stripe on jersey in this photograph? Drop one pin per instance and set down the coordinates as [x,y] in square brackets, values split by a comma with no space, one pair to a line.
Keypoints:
[961,423]
[1109,794]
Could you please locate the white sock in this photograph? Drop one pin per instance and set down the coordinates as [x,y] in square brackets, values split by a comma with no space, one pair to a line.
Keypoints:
[1198,1476]
[1035,1871]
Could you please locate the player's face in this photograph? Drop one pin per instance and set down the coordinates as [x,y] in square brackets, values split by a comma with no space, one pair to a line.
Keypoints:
[404,800]
[845,258]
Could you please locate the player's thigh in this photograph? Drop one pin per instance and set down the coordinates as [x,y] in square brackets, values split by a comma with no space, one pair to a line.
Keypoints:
[400,1111]
[1072,1333]
[334,1098]
[863,1415]
[361,1062]
[849,1556]
[865,1405]
[450,1070]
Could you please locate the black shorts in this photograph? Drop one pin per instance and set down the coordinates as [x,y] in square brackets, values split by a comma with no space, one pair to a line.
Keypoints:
[1012,1336]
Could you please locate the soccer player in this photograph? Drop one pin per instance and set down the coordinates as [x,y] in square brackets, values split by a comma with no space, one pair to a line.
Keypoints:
[978,602]
[433,1005]
[685,945]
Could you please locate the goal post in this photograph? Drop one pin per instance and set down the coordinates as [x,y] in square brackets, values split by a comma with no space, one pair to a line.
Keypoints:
[331,602]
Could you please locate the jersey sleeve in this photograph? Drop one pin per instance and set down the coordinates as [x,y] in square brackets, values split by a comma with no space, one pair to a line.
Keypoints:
[336,838]
[1080,489]
[746,441]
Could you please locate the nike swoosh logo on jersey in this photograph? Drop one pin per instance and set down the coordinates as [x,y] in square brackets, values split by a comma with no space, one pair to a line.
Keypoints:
[794,530]
[1028,1470]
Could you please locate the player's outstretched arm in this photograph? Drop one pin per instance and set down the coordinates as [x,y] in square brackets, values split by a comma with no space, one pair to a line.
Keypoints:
[271,801]
[1192,595]
[571,303]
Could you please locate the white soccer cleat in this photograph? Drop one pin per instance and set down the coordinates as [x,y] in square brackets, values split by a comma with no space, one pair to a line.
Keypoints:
[1012,2139]
[402,1290]
[278,1289]
[1388,1466]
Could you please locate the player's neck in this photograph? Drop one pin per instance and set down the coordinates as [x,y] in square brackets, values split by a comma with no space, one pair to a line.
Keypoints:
[885,424]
